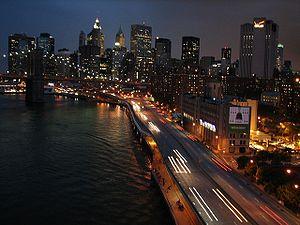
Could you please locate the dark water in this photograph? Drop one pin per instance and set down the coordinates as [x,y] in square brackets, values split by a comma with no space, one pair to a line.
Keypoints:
[73,163]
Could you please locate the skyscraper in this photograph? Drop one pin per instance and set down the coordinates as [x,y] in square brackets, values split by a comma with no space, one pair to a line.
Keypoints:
[96,37]
[63,62]
[258,49]
[226,54]
[279,58]
[118,54]
[82,39]
[46,43]
[246,47]
[163,51]
[120,39]
[140,45]
[128,67]
[91,49]
[205,63]
[19,48]
[265,41]
[190,54]
[225,60]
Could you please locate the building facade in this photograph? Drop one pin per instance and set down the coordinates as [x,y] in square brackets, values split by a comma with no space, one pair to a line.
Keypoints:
[258,48]
[19,48]
[190,54]
[222,126]
[163,51]
[140,46]
[246,47]
[96,37]
[118,54]
[265,42]
[46,43]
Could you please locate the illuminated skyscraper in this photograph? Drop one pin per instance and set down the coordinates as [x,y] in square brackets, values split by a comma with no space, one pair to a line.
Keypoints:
[226,54]
[140,45]
[190,54]
[246,47]
[120,39]
[258,49]
[19,48]
[63,62]
[279,58]
[163,51]
[265,42]
[225,60]
[46,43]
[118,54]
[96,37]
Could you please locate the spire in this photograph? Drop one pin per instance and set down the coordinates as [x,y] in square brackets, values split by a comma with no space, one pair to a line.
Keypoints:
[97,24]
[120,31]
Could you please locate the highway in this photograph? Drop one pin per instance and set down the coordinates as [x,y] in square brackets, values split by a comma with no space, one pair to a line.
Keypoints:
[218,194]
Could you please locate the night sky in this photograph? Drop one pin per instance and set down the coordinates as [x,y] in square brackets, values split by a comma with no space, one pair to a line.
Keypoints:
[216,22]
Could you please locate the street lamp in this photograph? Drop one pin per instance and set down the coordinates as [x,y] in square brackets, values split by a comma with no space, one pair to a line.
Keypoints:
[289,171]
[296,186]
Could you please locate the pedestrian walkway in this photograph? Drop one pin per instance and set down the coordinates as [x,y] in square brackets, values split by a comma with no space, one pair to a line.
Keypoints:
[181,210]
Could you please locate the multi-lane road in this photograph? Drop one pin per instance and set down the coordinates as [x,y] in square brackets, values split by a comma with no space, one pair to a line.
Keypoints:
[219,195]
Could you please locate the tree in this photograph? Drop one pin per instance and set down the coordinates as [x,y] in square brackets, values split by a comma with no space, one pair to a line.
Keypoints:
[263,156]
[290,196]
[242,162]
[280,156]
[251,169]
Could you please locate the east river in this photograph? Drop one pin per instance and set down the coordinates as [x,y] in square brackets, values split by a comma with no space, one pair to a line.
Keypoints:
[73,163]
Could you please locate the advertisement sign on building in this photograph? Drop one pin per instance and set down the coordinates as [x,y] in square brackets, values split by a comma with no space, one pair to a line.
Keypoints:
[239,115]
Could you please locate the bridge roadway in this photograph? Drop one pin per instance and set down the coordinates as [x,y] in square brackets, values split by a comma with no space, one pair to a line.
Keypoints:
[220,196]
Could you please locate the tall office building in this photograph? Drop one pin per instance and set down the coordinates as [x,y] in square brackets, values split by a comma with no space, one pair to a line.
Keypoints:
[140,46]
[226,54]
[246,47]
[82,39]
[265,42]
[96,37]
[120,39]
[128,67]
[163,51]
[258,49]
[91,50]
[205,63]
[63,62]
[225,60]
[279,57]
[190,54]
[46,43]
[89,60]
[19,48]
[118,54]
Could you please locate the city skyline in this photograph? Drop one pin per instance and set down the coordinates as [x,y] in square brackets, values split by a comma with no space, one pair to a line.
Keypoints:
[111,17]
[111,107]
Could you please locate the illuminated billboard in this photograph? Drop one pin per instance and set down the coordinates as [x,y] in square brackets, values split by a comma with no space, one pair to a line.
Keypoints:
[239,115]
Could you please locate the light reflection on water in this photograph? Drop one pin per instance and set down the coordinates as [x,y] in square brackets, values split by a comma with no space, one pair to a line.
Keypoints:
[72,162]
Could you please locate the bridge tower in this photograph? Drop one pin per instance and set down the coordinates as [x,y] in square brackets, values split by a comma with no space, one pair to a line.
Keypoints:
[35,79]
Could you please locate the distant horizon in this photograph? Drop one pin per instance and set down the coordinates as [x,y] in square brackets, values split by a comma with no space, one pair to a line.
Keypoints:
[203,19]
